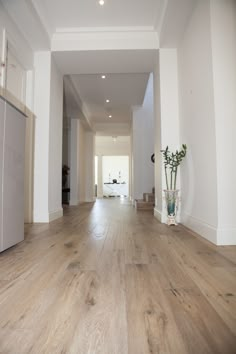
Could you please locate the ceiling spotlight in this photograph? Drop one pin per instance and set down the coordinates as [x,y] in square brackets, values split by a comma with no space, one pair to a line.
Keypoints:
[103,76]
[107,101]
[110,116]
[101,2]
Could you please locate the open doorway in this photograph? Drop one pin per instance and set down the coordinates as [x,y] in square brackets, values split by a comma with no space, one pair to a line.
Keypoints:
[115,176]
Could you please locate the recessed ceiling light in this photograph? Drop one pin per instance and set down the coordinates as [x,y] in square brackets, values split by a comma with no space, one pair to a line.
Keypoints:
[107,101]
[101,2]
[103,76]
[110,116]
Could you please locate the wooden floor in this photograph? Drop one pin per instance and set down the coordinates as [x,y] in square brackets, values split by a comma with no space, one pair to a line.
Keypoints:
[106,279]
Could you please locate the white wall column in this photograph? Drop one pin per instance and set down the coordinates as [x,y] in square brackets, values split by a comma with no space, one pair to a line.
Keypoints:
[89,167]
[29,150]
[42,64]
[48,103]
[74,162]
[166,111]
[55,143]
[131,175]
[143,145]
[100,178]
[223,31]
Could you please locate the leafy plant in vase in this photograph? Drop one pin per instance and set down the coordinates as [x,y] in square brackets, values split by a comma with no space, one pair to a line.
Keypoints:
[171,164]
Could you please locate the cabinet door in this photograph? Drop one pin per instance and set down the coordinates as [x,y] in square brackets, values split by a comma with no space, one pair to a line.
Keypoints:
[13,178]
[2,108]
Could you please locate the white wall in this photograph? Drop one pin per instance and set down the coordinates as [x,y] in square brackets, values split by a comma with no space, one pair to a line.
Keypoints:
[131,167]
[48,98]
[223,29]
[157,145]
[74,161]
[42,73]
[166,119]
[105,145]
[143,145]
[89,166]
[15,77]
[116,167]
[55,142]
[21,47]
[197,125]
[29,150]
[82,165]
[207,77]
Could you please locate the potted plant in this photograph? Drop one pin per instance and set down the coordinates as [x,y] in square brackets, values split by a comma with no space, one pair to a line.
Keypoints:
[171,164]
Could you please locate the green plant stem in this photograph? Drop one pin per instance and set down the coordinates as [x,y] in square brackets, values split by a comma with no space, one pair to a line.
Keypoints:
[171,178]
[176,169]
[167,186]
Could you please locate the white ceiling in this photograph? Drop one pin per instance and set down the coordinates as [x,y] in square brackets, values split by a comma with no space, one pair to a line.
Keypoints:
[127,74]
[123,90]
[105,61]
[108,139]
[57,14]
[128,69]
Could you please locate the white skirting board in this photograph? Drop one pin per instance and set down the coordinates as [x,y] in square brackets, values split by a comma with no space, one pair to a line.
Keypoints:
[161,216]
[74,202]
[90,200]
[218,236]
[53,215]
[226,237]
[158,214]
[205,230]
[48,217]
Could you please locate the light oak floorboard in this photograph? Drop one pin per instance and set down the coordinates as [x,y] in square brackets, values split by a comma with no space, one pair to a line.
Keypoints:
[107,279]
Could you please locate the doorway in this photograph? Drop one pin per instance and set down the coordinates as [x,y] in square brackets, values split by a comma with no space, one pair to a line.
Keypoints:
[115,174]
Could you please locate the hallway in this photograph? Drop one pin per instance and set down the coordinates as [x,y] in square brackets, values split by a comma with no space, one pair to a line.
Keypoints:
[106,279]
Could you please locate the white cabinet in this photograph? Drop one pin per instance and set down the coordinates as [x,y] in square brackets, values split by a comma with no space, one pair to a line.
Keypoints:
[12,151]
[115,189]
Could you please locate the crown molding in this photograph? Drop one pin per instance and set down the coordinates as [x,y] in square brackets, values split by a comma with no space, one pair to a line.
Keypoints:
[104,40]
[105,29]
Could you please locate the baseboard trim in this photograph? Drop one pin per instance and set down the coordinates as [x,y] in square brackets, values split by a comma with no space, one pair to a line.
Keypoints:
[41,218]
[207,231]
[226,237]
[90,200]
[158,214]
[48,217]
[74,202]
[55,214]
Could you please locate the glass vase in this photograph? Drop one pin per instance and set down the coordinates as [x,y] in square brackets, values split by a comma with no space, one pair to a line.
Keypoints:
[171,199]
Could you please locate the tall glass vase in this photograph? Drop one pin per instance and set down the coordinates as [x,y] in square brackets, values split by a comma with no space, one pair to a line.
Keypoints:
[172,200]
